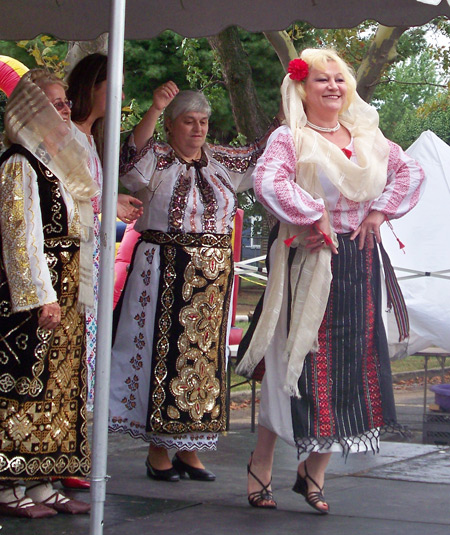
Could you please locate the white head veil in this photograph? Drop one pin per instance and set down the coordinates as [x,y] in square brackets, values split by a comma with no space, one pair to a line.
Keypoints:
[33,122]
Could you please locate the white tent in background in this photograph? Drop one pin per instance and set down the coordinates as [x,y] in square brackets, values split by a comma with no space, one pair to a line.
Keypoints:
[423,269]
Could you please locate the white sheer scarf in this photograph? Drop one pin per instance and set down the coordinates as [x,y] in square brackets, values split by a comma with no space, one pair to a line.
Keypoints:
[32,121]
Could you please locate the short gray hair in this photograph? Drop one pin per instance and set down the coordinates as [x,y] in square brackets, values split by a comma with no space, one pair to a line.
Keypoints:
[186,101]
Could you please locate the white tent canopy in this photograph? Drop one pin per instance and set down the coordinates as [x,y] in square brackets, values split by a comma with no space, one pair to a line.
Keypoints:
[423,269]
[143,19]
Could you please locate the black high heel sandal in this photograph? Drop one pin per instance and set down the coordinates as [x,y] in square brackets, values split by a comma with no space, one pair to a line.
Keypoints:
[256,498]
[312,498]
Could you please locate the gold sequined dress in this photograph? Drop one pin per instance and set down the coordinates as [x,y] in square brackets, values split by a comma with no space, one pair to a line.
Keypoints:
[168,375]
[43,427]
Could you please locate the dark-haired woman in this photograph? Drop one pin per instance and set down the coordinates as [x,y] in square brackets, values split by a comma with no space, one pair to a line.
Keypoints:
[87,92]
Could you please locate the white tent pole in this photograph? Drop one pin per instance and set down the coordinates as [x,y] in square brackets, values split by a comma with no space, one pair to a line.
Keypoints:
[107,252]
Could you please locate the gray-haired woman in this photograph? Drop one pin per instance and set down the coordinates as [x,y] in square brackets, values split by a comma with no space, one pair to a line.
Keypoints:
[169,354]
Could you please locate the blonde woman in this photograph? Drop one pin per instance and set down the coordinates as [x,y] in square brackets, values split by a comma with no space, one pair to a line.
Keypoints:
[332,180]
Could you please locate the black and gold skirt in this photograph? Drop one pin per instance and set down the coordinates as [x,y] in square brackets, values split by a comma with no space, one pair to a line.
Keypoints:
[43,431]
[187,389]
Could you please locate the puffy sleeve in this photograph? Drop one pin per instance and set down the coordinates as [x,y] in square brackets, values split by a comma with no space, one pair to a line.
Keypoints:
[136,168]
[405,185]
[22,236]
[240,161]
[275,186]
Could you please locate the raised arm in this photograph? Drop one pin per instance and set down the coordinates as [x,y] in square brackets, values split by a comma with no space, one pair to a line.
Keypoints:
[162,97]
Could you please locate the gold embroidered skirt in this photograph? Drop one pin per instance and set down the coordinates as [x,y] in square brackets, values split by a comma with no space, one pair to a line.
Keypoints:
[43,427]
[177,321]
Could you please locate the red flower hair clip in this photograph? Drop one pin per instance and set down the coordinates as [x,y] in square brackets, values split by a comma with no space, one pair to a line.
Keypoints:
[298,69]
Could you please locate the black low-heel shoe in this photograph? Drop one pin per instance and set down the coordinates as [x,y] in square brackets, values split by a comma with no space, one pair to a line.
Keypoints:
[170,474]
[199,474]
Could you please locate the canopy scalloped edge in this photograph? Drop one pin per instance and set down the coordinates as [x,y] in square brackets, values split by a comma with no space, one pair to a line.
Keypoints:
[87,19]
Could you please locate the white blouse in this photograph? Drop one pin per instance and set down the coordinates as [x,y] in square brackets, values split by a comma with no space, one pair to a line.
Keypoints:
[178,198]
[22,233]
[276,189]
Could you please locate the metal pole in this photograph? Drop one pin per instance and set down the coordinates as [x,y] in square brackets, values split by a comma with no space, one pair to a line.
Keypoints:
[107,252]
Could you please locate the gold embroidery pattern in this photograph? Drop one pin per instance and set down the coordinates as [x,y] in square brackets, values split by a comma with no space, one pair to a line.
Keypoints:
[23,291]
[187,240]
[55,225]
[178,202]
[203,318]
[45,433]
[211,262]
[165,323]
[199,386]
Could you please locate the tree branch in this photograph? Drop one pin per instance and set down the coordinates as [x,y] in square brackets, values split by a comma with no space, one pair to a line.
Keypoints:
[389,80]
[283,46]
[382,52]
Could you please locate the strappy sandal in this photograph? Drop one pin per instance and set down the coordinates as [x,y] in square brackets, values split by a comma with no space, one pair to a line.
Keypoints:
[312,498]
[256,499]
[21,507]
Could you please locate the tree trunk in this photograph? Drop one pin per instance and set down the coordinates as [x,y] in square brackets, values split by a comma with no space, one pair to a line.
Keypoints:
[382,52]
[249,117]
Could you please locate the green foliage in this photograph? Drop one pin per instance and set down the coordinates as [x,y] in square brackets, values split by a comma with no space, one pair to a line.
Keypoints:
[410,97]
[43,51]
[204,73]
[148,64]
[351,44]
[47,53]
[267,70]
[434,116]
[190,63]
[404,89]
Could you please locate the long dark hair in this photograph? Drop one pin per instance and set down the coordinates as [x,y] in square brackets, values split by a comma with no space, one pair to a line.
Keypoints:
[83,79]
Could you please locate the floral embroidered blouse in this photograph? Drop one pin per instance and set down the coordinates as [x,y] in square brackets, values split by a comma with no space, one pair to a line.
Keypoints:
[275,187]
[184,197]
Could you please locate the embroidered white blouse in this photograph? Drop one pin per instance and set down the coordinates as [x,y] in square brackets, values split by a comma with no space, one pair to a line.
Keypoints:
[176,197]
[275,188]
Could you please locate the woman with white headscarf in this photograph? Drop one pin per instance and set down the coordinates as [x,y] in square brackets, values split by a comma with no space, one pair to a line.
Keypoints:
[46,240]
[332,179]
